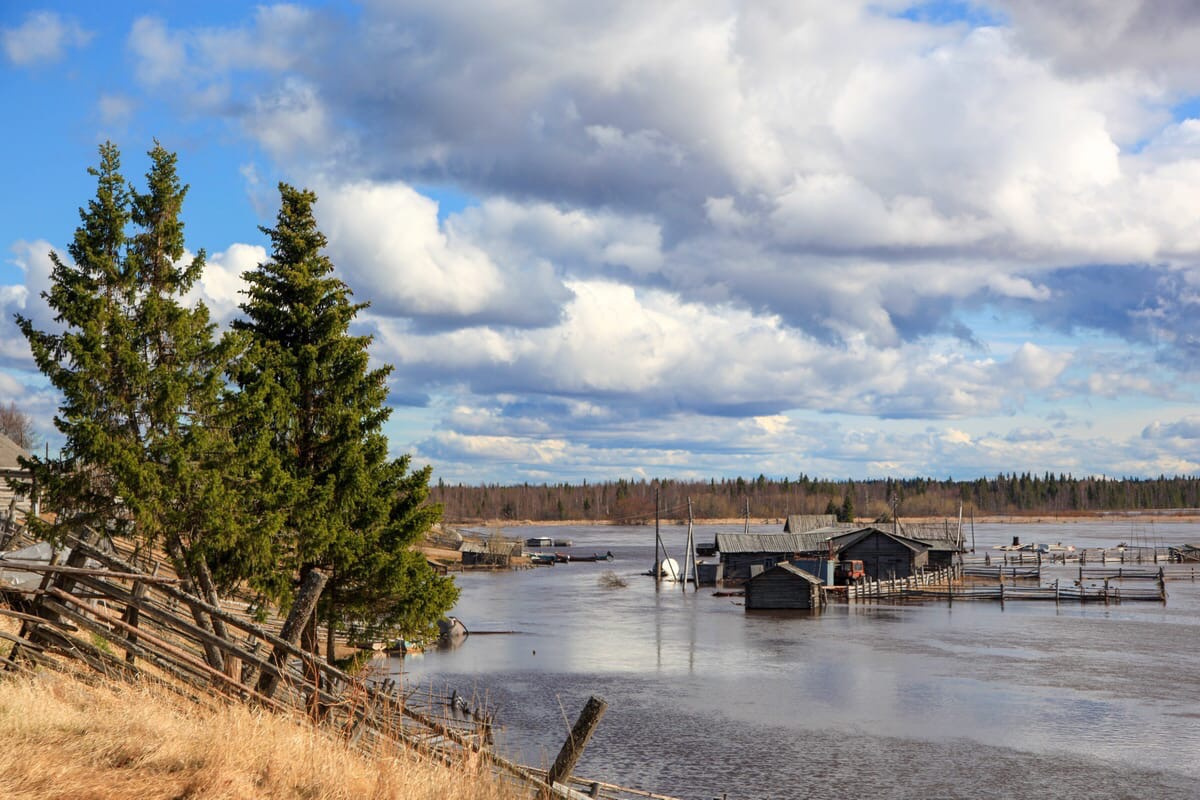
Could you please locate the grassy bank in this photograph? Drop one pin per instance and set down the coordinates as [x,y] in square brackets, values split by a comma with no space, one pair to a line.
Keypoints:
[70,736]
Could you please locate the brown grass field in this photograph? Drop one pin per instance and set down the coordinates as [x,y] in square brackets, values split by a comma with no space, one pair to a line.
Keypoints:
[77,737]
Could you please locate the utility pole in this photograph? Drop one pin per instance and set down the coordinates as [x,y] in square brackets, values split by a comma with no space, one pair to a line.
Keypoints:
[657,568]
[689,558]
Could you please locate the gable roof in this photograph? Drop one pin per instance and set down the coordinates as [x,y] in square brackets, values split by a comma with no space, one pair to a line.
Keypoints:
[802,523]
[854,537]
[9,450]
[935,535]
[807,542]
[792,569]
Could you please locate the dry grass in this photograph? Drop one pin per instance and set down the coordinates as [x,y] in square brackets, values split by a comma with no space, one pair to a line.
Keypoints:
[65,737]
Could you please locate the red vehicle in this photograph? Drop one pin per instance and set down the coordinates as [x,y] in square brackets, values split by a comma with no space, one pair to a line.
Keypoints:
[849,571]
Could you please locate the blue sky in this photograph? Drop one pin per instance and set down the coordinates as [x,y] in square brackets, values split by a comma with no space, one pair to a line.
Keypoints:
[699,239]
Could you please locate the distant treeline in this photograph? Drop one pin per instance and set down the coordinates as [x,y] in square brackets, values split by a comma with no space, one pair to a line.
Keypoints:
[633,501]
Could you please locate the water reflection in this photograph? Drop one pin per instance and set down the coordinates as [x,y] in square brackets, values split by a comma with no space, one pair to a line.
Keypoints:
[705,698]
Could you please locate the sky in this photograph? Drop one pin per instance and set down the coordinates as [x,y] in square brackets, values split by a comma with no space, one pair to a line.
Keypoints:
[675,239]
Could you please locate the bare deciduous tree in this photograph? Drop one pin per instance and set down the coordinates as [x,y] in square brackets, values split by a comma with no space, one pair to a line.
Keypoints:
[16,425]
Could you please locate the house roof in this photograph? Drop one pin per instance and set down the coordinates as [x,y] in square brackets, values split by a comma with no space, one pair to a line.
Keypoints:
[810,541]
[936,535]
[801,523]
[9,450]
[791,568]
[854,537]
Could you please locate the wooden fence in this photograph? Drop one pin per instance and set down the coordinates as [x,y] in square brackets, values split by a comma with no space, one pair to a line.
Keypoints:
[126,620]
[947,584]
[898,587]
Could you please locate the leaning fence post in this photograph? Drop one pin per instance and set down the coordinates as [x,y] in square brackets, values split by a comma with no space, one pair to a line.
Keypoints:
[297,619]
[572,748]
[131,614]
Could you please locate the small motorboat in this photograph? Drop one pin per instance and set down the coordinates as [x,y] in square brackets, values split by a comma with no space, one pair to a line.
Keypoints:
[594,557]
[542,558]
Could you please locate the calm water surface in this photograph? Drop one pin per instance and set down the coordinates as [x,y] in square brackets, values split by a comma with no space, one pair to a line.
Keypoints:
[903,701]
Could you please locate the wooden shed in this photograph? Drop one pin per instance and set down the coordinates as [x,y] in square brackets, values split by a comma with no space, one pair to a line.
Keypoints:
[784,586]
[884,554]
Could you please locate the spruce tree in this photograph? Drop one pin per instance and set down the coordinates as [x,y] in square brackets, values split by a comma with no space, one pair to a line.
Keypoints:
[146,452]
[346,507]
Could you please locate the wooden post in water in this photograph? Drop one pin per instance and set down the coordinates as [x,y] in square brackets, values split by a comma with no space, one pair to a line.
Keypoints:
[576,741]
[657,568]
[293,626]
[689,555]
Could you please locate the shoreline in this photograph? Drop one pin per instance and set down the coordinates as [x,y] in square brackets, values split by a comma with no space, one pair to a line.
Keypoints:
[1183,515]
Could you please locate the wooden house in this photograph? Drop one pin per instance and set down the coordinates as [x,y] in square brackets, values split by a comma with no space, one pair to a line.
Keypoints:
[884,554]
[943,539]
[784,586]
[746,554]
[12,505]
[489,553]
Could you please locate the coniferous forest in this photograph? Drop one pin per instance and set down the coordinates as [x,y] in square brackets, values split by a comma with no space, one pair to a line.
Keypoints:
[769,498]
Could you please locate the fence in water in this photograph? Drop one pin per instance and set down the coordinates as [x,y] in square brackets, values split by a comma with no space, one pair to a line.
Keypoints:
[949,584]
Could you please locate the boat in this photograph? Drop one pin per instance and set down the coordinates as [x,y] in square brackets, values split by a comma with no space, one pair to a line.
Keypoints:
[541,558]
[594,557]
[563,543]
[539,541]
[562,558]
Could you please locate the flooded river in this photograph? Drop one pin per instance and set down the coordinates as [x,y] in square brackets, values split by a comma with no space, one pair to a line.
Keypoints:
[896,701]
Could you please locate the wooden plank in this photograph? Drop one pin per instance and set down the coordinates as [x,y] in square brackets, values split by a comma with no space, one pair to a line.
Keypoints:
[62,569]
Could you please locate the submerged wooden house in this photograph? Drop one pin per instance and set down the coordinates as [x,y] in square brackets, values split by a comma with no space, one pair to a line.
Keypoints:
[784,586]
[747,554]
[884,554]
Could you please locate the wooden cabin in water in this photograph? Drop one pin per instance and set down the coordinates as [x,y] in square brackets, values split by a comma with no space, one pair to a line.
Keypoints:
[884,554]
[784,586]
[744,555]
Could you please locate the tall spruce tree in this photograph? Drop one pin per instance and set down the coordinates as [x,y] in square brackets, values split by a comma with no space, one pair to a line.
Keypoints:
[348,509]
[146,452]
